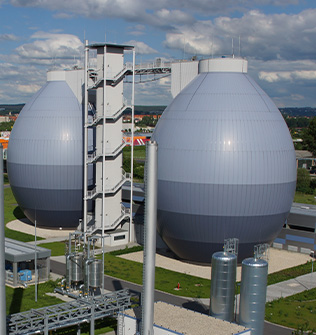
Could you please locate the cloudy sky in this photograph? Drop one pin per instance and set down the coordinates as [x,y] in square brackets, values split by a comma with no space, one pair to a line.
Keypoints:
[278,37]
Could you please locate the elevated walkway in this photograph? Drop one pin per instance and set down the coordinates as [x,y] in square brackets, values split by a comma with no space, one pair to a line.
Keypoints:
[43,320]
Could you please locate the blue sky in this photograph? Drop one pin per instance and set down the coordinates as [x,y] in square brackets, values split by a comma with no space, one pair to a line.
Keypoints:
[278,37]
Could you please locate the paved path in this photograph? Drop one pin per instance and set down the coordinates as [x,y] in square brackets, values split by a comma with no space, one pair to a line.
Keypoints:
[292,286]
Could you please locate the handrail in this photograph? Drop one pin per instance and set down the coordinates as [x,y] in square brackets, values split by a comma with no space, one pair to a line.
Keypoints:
[94,192]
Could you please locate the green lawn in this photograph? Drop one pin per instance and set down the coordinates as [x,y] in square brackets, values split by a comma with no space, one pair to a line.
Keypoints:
[23,299]
[57,248]
[139,152]
[166,280]
[12,212]
[304,198]
[290,273]
[296,311]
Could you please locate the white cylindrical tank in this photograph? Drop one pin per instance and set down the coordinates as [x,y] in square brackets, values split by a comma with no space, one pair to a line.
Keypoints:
[226,165]
[253,292]
[223,280]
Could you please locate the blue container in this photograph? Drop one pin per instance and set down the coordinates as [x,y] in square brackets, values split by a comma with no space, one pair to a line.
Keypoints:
[25,275]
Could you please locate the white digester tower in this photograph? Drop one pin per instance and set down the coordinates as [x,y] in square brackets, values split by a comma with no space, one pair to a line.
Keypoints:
[104,90]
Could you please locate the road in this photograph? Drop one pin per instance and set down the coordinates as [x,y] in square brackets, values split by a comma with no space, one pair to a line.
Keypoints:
[112,284]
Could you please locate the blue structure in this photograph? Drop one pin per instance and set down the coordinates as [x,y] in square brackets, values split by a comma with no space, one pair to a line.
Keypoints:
[226,165]
[45,157]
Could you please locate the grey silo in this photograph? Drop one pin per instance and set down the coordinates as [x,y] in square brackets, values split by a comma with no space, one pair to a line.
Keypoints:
[76,264]
[45,157]
[95,276]
[226,167]
[253,291]
[223,281]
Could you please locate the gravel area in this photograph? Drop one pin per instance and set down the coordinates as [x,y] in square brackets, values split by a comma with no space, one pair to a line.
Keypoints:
[180,320]
[278,260]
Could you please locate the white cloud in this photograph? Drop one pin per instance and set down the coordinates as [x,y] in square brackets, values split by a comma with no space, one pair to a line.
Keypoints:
[49,47]
[276,36]
[287,75]
[29,89]
[173,16]
[133,8]
[142,48]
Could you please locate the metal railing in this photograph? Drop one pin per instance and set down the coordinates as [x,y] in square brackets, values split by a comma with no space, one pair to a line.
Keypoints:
[43,320]
[96,191]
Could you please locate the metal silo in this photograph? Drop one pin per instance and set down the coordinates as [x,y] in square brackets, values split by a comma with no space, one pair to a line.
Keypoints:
[223,285]
[253,292]
[45,157]
[95,273]
[226,164]
[76,265]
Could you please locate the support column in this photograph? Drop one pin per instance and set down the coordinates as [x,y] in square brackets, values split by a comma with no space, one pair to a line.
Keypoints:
[150,225]
[92,321]
[15,273]
[47,267]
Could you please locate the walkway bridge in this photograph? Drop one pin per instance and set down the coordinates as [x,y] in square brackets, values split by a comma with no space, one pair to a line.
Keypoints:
[80,310]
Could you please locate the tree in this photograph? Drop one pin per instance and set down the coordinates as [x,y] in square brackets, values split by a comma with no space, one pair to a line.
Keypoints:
[303,181]
[309,137]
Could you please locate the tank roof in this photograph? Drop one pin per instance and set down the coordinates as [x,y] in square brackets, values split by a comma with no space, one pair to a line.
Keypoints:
[255,262]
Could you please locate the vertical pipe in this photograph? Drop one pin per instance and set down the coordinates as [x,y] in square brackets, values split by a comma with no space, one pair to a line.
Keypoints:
[85,151]
[103,156]
[3,321]
[150,239]
[92,321]
[131,227]
[35,260]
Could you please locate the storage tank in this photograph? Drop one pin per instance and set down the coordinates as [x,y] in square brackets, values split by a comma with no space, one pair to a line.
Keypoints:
[95,273]
[226,164]
[223,281]
[45,157]
[253,291]
[76,266]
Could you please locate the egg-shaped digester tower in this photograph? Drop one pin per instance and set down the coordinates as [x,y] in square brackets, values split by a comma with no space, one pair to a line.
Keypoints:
[226,164]
[45,157]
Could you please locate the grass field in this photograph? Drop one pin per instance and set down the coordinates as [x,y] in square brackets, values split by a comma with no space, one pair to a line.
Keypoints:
[166,280]
[23,299]
[57,248]
[12,212]
[304,198]
[296,311]
[139,152]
